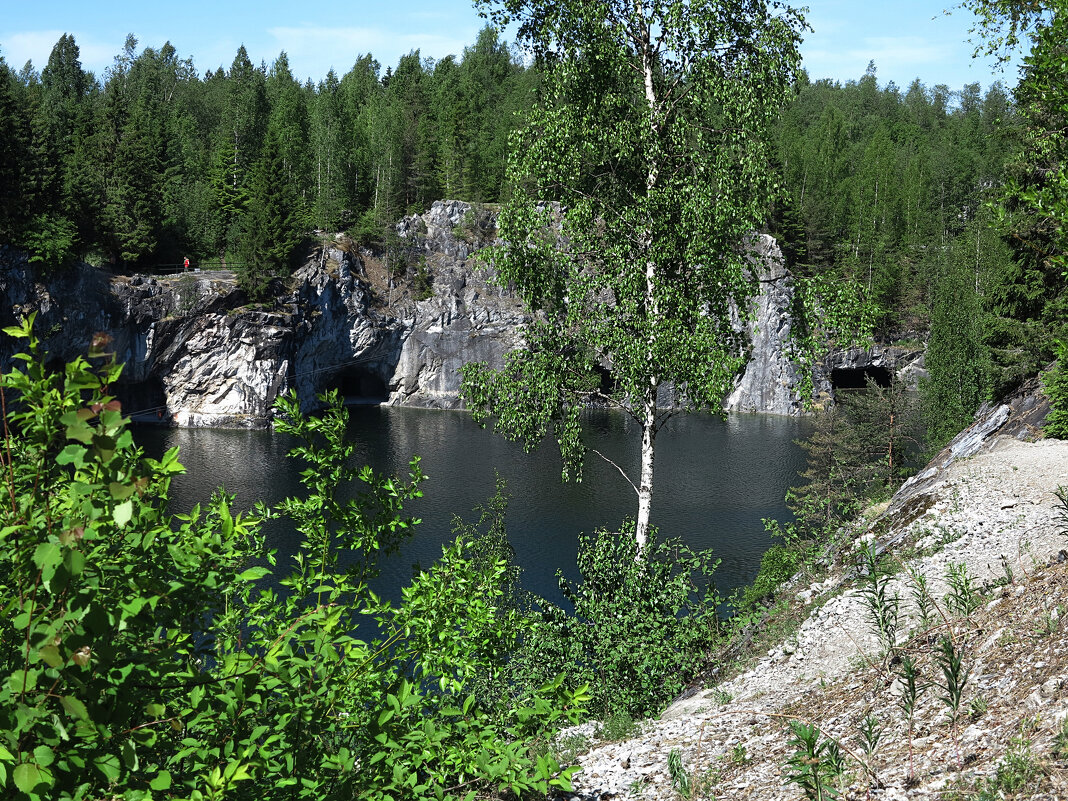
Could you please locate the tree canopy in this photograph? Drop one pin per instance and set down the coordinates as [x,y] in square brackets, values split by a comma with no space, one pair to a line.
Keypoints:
[644,167]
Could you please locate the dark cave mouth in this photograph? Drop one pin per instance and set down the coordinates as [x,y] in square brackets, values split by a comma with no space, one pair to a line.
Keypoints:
[358,386]
[143,401]
[857,377]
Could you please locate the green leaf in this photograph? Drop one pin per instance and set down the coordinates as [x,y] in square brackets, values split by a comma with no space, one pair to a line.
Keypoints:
[22,681]
[122,513]
[155,710]
[43,756]
[28,777]
[74,707]
[254,574]
[72,454]
[46,555]
[50,656]
[162,781]
[129,755]
[109,766]
[120,491]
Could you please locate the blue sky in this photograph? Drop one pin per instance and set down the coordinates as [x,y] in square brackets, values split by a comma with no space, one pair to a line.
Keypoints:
[906,38]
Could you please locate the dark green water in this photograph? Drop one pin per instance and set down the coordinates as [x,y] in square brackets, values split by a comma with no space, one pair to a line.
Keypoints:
[715,481]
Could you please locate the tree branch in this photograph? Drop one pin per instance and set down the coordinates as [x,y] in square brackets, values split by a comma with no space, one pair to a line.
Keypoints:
[617,467]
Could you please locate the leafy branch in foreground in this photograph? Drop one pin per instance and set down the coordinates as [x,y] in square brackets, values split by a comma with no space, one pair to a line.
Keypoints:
[140,654]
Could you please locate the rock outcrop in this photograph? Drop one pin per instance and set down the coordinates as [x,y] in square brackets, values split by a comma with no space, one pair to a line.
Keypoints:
[468,318]
[771,382]
[197,354]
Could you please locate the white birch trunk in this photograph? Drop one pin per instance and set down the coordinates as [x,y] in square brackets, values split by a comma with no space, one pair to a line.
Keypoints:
[645,484]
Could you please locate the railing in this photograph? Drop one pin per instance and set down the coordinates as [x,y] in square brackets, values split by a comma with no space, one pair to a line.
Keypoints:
[177,269]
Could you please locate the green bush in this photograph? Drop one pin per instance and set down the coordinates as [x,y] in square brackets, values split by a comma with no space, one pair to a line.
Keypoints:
[777,566]
[138,655]
[641,628]
[1055,385]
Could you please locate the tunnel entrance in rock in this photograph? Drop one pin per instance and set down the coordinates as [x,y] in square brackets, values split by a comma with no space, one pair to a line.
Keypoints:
[607,383]
[857,377]
[143,401]
[359,385]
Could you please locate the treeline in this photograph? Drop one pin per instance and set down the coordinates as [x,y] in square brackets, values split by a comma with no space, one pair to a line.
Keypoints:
[155,162]
[903,191]
[880,183]
[927,199]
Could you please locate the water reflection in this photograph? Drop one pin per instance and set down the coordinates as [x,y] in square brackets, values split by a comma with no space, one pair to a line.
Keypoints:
[715,481]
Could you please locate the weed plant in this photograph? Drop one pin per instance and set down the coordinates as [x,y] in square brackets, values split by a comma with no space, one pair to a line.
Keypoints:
[921,598]
[154,663]
[817,764]
[883,606]
[963,597]
[1062,511]
[955,678]
[912,687]
[617,727]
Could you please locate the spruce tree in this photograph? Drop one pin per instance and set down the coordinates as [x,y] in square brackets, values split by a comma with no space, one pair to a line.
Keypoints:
[271,227]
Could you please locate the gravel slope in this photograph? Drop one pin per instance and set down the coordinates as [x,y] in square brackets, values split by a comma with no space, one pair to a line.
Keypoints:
[996,513]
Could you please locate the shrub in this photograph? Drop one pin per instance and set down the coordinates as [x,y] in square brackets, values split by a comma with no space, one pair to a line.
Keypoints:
[777,566]
[138,654]
[641,628]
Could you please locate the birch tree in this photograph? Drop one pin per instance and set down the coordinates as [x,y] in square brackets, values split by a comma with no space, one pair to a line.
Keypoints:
[650,141]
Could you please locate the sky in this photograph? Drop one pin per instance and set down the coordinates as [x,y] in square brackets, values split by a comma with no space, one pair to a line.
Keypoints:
[906,39]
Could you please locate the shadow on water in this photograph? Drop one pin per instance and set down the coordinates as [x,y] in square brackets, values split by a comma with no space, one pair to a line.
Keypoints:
[715,481]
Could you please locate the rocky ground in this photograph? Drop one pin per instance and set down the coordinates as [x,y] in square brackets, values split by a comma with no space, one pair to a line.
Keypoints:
[996,514]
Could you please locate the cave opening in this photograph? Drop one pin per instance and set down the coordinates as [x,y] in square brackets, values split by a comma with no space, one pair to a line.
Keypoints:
[857,377]
[143,401]
[359,385]
[607,384]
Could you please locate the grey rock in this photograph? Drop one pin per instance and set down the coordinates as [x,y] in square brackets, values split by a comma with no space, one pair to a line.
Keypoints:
[196,354]
[772,379]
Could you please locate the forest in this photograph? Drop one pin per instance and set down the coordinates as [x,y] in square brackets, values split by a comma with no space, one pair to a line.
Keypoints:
[896,188]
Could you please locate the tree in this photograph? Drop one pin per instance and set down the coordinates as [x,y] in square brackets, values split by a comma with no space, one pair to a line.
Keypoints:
[272,227]
[651,137]
[1030,298]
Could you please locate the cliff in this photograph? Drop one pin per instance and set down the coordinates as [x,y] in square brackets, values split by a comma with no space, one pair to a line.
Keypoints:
[197,354]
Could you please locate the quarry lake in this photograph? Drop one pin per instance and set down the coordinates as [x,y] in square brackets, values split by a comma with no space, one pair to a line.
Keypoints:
[715,481]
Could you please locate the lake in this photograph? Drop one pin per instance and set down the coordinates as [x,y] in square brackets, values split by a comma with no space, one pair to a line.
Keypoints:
[715,481]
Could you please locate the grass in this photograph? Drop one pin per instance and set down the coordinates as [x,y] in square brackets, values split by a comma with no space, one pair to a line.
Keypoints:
[619,726]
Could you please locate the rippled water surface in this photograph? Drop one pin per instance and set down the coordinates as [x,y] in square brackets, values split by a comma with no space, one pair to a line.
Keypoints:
[715,481]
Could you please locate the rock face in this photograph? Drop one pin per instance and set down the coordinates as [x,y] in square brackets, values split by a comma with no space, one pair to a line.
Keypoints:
[771,381]
[197,354]
[848,368]
[467,319]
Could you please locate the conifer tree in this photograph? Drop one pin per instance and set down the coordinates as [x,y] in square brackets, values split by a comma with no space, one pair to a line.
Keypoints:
[272,224]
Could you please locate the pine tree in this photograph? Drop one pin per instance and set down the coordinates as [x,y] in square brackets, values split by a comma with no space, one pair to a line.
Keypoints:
[14,152]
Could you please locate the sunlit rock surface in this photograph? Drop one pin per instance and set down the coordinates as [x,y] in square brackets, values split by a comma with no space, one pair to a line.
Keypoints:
[196,353]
